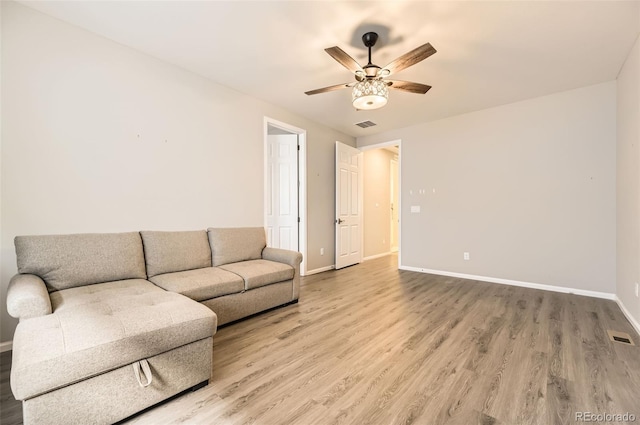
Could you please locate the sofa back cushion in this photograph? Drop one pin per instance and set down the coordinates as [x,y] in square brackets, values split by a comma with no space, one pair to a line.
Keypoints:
[68,261]
[230,245]
[168,252]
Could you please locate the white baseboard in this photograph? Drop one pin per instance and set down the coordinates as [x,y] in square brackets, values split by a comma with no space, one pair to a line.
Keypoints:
[372,257]
[630,318]
[6,346]
[320,270]
[605,295]
[532,285]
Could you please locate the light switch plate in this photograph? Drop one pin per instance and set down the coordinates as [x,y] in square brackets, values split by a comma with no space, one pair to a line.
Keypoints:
[415,208]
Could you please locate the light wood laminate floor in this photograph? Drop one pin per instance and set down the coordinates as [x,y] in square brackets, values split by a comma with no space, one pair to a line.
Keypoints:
[374,345]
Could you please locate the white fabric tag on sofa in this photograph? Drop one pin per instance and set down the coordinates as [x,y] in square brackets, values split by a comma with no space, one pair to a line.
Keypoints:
[145,369]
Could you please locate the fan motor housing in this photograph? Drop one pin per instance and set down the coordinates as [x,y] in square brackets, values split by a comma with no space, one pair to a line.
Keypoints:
[371,71]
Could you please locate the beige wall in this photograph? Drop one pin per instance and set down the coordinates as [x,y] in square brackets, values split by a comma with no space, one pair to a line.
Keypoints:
[628,183]
[377,193]
[97,137]
[528,189]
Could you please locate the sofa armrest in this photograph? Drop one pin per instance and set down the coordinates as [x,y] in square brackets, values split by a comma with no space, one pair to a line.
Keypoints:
[27,297]
[292,258]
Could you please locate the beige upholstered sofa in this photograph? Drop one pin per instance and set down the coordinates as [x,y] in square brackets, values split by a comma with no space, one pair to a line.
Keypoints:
[111,324]
[230,270]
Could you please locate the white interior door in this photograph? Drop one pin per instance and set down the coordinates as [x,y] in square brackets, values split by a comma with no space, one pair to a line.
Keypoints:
[282,191]
[348,205]
[395,207]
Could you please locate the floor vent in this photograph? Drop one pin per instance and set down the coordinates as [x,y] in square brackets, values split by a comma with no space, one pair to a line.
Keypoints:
[620,337]
[365,124]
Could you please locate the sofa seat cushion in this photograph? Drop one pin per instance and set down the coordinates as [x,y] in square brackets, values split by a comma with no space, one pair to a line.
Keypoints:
[201,284]
[99,328]
[257,273]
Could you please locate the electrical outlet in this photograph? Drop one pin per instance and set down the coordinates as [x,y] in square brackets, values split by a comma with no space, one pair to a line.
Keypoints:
[466,255]
[637,289]
[321,251]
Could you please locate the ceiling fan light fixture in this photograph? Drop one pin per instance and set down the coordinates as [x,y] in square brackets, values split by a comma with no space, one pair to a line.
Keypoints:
[370,94]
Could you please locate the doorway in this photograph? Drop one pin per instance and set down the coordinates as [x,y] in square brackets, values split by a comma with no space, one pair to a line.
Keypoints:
[285,187]
[382,199]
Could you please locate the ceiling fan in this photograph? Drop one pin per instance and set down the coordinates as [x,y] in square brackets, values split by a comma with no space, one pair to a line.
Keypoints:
[370,90]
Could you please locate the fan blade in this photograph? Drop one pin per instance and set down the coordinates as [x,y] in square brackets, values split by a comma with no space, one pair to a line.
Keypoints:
[330,88]
[344,59]
[410,58]
[408,86]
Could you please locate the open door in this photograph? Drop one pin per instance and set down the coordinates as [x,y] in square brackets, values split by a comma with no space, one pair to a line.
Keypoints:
[349,185]
[282,191]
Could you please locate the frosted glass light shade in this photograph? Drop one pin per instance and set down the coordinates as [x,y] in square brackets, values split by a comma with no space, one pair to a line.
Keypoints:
[370,94]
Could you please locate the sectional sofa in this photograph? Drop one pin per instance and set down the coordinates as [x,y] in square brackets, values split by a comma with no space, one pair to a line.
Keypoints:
[111,324]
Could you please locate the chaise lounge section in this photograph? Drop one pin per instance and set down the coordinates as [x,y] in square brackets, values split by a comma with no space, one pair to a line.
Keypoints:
[90,323]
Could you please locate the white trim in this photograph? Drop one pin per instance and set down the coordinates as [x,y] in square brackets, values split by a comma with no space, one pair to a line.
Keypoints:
[302,200]
[563,289]
[392,179]
[399,201]
[6,346]
[302,177]
[373,257]
[630,318]
[320,270]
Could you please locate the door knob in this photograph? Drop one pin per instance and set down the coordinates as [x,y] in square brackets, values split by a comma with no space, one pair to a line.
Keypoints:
[339,221]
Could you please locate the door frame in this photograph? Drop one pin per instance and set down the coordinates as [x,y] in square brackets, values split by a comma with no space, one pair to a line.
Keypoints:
[397,142]
[392,180]
[302,182]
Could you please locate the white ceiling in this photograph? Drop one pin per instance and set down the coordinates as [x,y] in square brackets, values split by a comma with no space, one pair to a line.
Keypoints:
[489,53]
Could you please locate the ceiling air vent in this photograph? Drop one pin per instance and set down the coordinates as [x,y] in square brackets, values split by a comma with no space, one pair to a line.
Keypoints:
[365,124]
